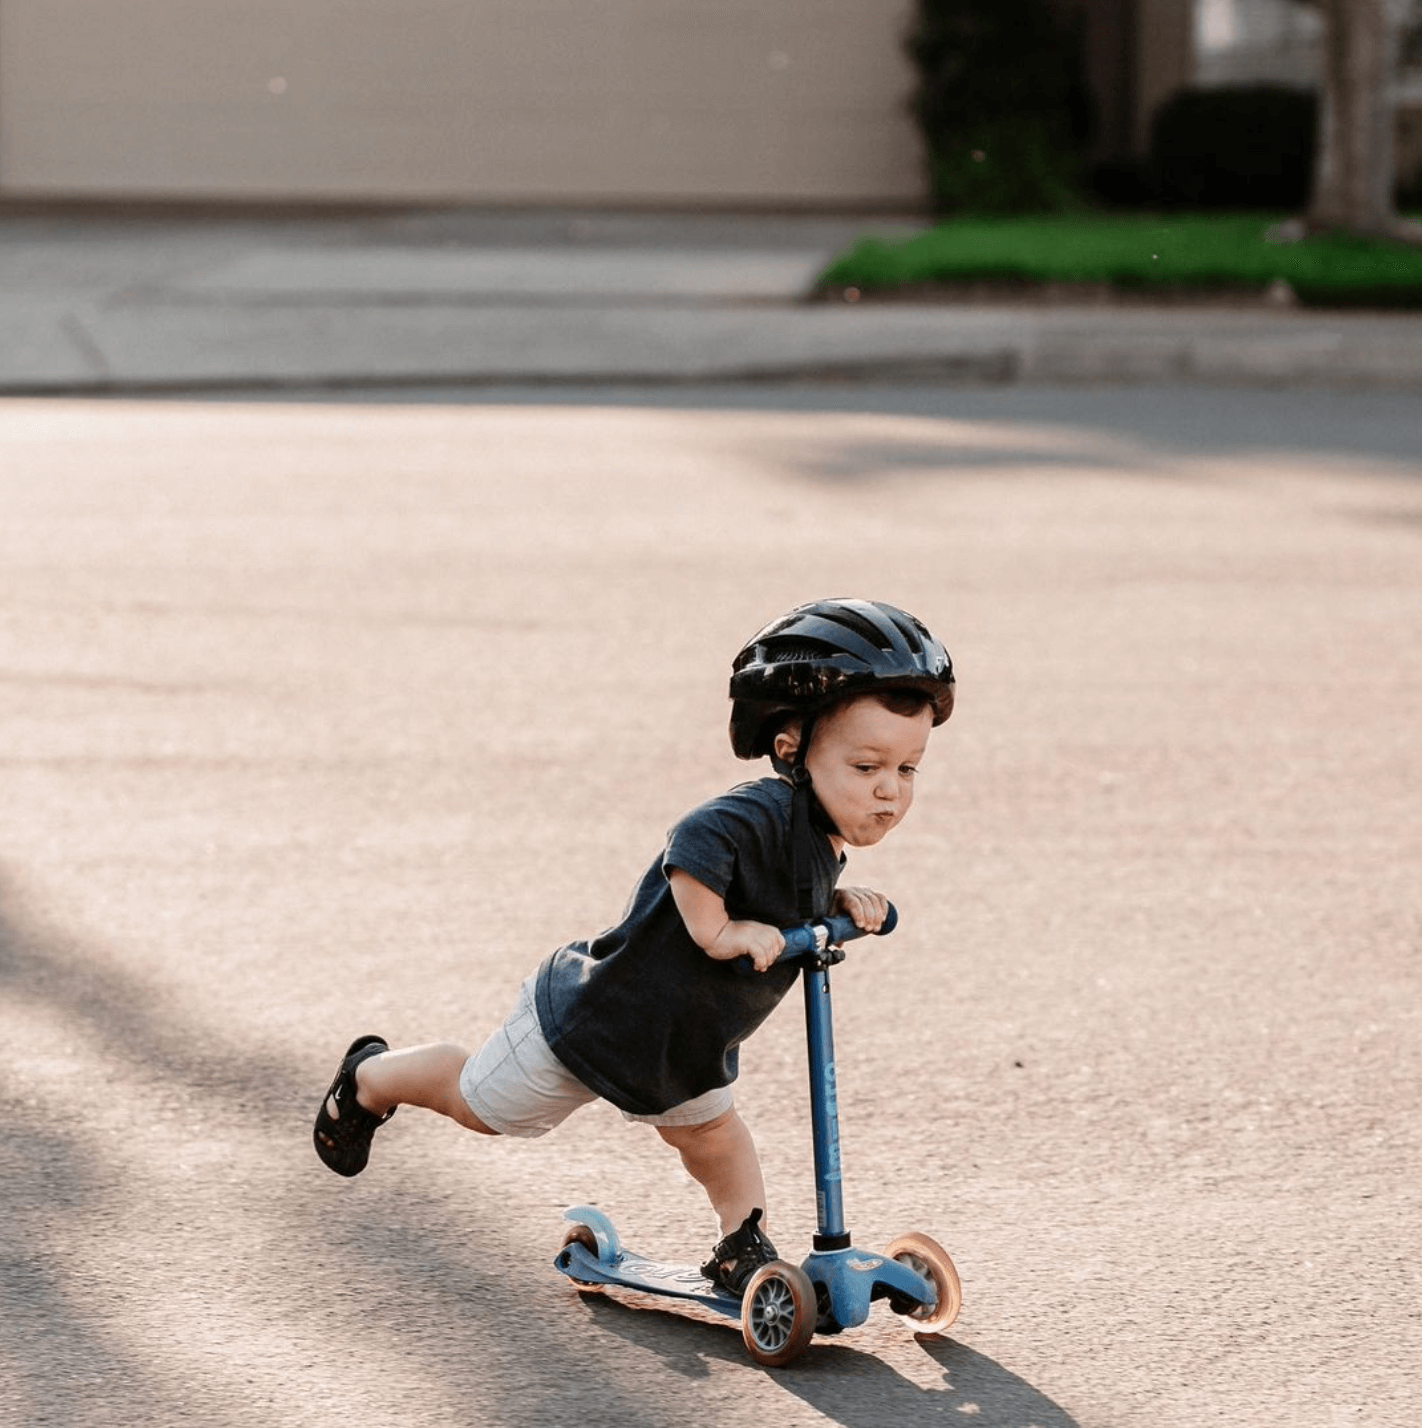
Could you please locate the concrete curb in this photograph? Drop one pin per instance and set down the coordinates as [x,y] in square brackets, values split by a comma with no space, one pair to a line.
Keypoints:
[142,349]
[102,309]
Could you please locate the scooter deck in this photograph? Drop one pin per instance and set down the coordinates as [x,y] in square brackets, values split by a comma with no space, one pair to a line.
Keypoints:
[635,1271]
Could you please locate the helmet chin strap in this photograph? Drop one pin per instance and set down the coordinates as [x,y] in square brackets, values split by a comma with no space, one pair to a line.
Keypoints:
[806,813]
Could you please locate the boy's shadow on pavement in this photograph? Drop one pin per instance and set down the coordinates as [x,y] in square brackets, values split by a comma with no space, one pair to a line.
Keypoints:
[844,1384]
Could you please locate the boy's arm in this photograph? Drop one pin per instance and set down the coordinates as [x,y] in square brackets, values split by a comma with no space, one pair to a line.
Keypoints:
[711,927]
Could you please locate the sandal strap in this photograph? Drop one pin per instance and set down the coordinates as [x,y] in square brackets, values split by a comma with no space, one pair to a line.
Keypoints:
[740,1254]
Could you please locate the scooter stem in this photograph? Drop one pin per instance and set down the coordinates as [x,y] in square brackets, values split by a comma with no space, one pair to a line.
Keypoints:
[824,1109]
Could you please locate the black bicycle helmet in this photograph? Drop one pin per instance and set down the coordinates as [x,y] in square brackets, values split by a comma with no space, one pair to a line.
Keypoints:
[825,651]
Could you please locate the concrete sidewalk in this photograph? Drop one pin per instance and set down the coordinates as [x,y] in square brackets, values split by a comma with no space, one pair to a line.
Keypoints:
[107,302]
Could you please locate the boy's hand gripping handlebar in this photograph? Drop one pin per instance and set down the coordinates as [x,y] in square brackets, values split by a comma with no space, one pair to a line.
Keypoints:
[811,939]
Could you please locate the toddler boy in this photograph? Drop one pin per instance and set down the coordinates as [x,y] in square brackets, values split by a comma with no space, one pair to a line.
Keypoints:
[649,1015]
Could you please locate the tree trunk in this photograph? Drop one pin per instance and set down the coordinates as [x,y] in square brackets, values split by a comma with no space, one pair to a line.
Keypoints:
[1353,173]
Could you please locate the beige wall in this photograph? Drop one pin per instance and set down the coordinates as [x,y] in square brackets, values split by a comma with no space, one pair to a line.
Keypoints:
[762,101]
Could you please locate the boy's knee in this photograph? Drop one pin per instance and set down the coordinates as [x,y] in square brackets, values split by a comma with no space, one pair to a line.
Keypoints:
[678,1137]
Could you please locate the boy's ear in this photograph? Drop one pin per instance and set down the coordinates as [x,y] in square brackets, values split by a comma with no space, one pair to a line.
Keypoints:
[787,741]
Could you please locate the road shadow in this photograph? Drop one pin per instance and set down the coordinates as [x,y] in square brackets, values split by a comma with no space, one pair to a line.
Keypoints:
[1375,424]
[844,1384]
[91,1250]
[58,1363]
[242,1288]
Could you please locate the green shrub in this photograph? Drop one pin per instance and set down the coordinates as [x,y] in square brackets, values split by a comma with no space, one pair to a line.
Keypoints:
[1156,254]
[1002,104]
[1243,147]
[1408,194]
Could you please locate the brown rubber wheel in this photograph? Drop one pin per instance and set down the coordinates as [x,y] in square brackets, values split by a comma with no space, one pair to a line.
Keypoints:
[778,1313]
[927,1257]
[582,1235]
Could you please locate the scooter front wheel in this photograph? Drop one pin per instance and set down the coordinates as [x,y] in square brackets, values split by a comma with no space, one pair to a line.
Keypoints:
[778,1313]
[927,1258]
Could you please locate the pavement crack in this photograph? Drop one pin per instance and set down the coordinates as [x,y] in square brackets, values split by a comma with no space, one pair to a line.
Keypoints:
[89,349]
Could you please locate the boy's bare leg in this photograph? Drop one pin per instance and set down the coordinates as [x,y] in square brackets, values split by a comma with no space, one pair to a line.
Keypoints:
[721,1157]
[425,1076]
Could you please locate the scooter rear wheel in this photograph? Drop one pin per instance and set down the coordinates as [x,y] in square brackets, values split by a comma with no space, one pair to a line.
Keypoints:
[778,1313]
[582,1235]
[926,1257]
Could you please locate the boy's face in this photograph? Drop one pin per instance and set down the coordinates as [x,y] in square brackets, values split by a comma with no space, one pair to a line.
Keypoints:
[862,762]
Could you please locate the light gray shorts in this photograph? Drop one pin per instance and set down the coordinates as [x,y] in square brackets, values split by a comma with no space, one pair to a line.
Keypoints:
[516,1085]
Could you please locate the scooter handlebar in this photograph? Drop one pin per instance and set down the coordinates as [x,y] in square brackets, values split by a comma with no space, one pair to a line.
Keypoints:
[829,932]
[808,938]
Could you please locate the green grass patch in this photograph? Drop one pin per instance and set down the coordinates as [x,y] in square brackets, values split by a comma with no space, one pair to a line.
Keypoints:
[1137,254]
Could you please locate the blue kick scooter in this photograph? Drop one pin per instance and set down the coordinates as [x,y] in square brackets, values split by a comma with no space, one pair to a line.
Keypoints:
[784,1305]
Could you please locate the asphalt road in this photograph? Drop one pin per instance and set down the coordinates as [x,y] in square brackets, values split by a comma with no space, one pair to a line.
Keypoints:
[324,718]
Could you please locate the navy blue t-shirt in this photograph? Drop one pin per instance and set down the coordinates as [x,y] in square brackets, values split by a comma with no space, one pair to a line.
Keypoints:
[641,1014]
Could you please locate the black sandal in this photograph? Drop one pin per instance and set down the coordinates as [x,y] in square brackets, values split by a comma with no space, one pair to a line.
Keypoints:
[343,1140]
[739,1255]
